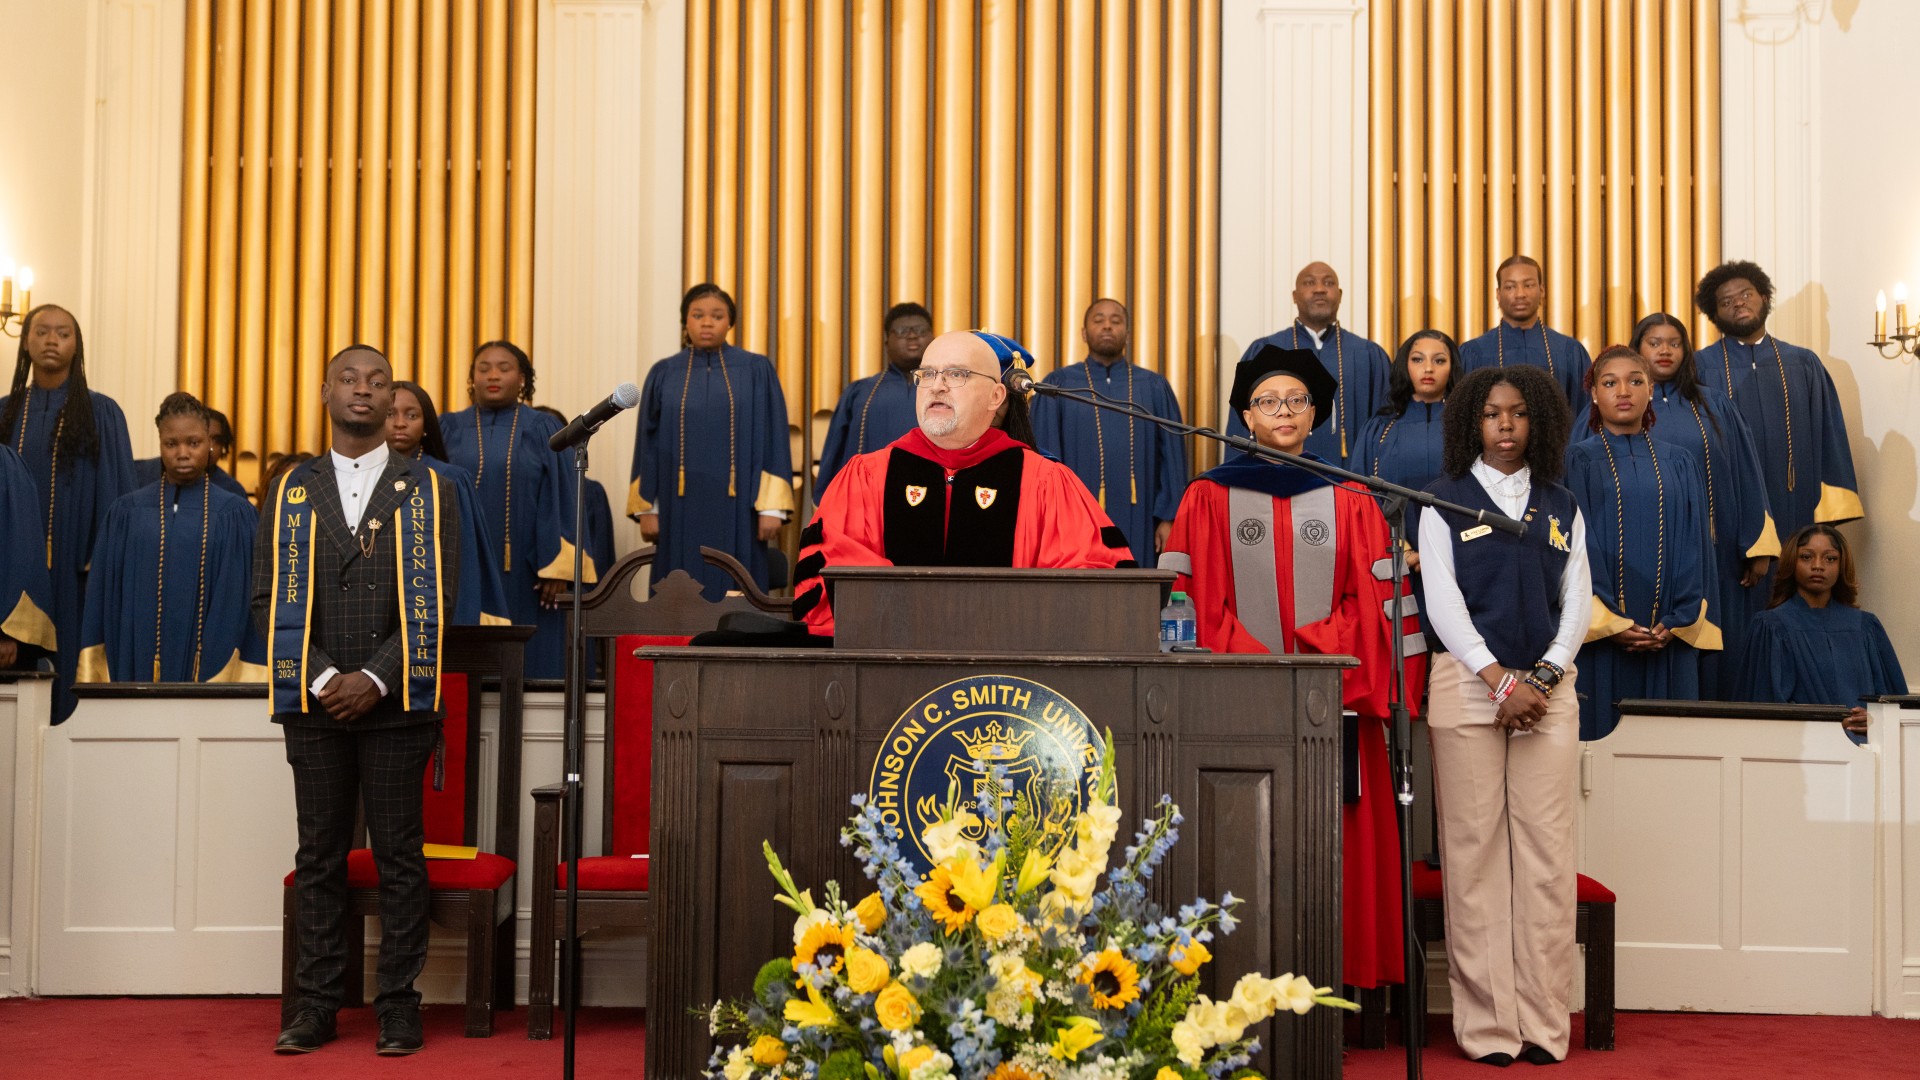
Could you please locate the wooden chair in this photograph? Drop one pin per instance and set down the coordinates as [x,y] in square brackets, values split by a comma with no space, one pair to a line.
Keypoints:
[473,896]
[613,886]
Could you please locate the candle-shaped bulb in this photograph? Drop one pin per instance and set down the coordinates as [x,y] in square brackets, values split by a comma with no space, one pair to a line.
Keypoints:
[6,268]
[1880,301]
[1900,309]
[26,278]
[1880,317]
[1900,292]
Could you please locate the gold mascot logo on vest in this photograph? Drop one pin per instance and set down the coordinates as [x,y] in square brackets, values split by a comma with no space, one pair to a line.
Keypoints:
[977,737]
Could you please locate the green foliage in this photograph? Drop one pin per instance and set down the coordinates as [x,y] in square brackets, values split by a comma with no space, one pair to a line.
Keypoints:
[1247,1074]
[777,970]
[844,1065]
[1164,1008]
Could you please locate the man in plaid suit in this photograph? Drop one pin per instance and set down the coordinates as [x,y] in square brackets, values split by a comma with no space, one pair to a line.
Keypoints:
[358,705]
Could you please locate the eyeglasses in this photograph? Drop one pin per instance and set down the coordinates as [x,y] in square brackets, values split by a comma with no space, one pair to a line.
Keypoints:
[911,332]
[1269,405]
[1745,296]
[953,376]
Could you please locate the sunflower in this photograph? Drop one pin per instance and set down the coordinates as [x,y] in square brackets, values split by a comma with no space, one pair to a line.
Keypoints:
[824,946]
[1114,980]
[1011,1070]
[947,908]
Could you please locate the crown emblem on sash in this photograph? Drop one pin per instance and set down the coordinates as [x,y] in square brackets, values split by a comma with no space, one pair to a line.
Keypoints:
[296,496]
[985,496]
[993,742]
[915,494]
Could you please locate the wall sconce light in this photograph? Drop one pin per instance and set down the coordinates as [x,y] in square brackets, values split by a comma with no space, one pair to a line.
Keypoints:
[1905,338]
[12,317]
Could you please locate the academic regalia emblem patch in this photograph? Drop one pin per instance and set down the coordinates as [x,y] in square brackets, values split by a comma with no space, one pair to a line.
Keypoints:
[985,496]
[915,494]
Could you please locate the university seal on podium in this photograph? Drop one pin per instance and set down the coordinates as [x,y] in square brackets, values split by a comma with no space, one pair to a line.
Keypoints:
[956,736]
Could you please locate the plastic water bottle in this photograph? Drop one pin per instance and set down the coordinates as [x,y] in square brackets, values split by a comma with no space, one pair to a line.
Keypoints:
[1178,626]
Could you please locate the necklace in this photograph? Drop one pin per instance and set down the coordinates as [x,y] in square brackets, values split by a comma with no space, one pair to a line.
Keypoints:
[1500,345]
[1786,405]
[864,409]
[53,470]
[1099,440]
[733,441]
[513,437]
[1620,526]
[200,595]
[1340,377]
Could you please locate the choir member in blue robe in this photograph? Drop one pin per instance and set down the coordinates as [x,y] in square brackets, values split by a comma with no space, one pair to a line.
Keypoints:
[1405,442]
[161,601]
[712,464]
[1815,646]
[599,545]
[1522,337]
[1136,470]
[149,470]
[526,494]
[413,431]
[26,593]
[1700,417]
[1644,505]
[878,409]
[1358,365]
[1786,396]
[74,442]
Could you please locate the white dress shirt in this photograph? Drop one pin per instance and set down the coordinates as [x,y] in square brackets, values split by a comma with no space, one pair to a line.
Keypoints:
[356,478]
[1447,609]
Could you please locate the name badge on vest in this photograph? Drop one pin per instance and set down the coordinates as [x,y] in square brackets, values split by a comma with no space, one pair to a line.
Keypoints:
[1475,533]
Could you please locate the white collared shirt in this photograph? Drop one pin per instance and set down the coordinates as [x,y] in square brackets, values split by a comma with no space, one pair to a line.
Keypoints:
[1447,609]
[356,478]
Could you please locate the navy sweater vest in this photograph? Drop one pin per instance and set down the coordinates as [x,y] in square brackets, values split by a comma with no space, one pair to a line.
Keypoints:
[1511,583]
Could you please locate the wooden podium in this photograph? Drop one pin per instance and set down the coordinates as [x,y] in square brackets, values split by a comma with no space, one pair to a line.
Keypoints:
[754,745]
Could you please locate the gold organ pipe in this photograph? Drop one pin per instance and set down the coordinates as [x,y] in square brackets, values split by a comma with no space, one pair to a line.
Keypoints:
[790,301]
[1619,168]
[1411,154]
[999,163]
[1040,194]
[462,184]
[375,59]
[1176,346]
[908,221]
[1677,168]
[756,174]
[1077,207]
[402,227]
[867,302]
[281,359]
[1557,250]
[251,358]
[198,142]
[1383,282]
[1502,238]
[696,254]
[228,89]
[1203,404]
[1470,216]
[1589,243]
[829,147]
[1442,264]
[723,260]
[1648,242]
[1530,129]
[1111,181]
[1706,153]
[311,302]
[1150,212]
[520,178]
[953,166]
[440,374]
[491,316]
[344,173]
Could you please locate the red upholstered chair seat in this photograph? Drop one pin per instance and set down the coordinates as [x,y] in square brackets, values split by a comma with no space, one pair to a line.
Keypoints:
[487,871]
[607,873]
[1589,891]
[1428,885]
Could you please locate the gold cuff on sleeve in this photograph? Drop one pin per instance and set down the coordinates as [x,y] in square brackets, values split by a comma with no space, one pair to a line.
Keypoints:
[1837,504]
[29,625]
[776,493]
[1768,545]
[92,666]
[1605,623]
[1700,633]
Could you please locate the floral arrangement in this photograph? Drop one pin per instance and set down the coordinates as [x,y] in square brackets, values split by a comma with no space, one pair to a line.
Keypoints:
[1003,963]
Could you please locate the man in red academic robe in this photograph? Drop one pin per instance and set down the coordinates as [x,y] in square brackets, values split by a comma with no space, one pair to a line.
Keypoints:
[1280,560]
[954,491]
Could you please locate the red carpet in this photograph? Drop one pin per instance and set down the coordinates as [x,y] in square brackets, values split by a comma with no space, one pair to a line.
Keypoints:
[232,1039]
[1686,1046]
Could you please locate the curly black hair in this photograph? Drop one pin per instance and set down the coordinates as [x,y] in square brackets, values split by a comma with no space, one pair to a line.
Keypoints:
[1400,381]
[1705,294]
[76,435]
[1548,420]
[520,359]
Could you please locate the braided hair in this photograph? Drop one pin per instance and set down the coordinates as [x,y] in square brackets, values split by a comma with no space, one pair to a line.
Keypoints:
[79,438]
[1548,420]
[520,358]
[181,403]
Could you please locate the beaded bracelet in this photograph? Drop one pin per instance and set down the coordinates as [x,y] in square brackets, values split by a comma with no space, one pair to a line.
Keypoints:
[1500,693]
[1546,690]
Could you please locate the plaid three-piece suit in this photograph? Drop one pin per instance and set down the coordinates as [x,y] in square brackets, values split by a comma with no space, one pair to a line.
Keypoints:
[355,625]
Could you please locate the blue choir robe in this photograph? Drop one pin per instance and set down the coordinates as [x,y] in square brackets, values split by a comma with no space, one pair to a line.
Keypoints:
[1545,348]
[1666,577]
[26,592]
[164,599]
[1405,450]
[599,546]
[1145,465]
[76,501]
[483,598]
[149,471]
[702,413]
[1359,367]
[530,515]
[1835,655]
[1739,526]
[872,413]
[1792,410]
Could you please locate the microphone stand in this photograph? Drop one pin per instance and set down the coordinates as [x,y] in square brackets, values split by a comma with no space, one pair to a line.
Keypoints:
[574,756]
[1393,503]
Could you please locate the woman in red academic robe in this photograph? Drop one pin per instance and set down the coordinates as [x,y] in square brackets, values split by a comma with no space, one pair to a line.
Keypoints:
[1277,559]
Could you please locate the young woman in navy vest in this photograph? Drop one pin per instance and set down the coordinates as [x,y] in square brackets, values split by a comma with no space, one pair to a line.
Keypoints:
[1508,614]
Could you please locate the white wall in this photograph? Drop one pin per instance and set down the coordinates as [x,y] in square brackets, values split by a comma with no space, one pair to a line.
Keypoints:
[43,83]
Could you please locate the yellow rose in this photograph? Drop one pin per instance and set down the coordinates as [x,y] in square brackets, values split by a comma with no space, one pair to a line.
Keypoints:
[896,1008]
[922,961]
[867,970]
[870,913]
[997,921]
[915,1058]
[1167,1072]
[1187,959]
[768,1051]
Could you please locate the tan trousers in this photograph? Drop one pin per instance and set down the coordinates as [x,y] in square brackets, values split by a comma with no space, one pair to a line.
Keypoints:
[1506,849]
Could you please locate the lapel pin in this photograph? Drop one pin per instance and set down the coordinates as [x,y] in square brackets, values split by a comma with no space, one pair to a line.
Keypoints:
[399,485]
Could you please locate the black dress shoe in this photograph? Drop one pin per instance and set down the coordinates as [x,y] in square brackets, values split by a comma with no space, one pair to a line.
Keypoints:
[1496,1059]
[311,1029]
[1535,1055]
[399,1033]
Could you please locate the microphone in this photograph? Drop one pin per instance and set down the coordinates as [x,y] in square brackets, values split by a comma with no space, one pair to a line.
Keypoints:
[581,428]
[1019,380]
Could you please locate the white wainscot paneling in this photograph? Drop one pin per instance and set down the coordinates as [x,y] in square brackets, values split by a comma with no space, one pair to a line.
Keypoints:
[25,705]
